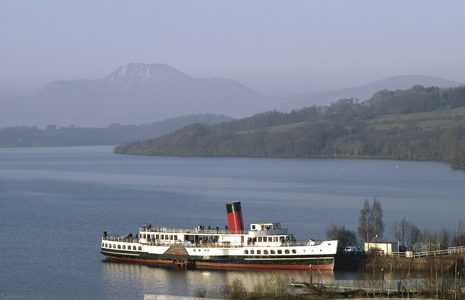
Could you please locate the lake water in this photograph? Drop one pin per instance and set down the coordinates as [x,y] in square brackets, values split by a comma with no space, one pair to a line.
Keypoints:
[56,202]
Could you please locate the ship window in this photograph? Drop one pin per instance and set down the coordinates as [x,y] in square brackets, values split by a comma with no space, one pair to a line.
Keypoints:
[144,236]
[252,252]
[272,252]
[171,237]
[114,246]
[253,227]
[270,239]
[246,251]
[166,236]
[293,251]
[157,236]
[280,252]
[265,251]
[259,251]
[175,236]
[106,245]
[275,239]
[133,247]
[140,248]
[287,251]
[259,238]
[103,244]
[124,247]
[119,246]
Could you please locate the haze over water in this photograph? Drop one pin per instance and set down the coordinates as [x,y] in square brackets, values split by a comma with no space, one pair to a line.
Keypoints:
[55,203]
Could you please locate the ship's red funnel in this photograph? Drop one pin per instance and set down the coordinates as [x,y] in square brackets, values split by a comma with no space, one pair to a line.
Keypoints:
[235,223]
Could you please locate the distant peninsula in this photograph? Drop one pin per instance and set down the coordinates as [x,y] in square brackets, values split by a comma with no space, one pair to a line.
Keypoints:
[114,134]
[420,123]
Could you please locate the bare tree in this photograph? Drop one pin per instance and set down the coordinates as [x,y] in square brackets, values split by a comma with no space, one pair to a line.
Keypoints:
[436,239]
[364,222]
[370,222]
[459,236]
[444,238]
[406,233]
[377,219]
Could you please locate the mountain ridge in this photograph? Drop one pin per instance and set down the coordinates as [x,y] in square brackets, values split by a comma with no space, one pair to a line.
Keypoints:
[142,93]
[366,91]
[132,93]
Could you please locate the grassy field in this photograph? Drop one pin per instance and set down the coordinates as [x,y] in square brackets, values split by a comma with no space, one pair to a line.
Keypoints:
[425,120]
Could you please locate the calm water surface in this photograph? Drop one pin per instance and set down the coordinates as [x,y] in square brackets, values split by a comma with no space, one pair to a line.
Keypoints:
[55,202]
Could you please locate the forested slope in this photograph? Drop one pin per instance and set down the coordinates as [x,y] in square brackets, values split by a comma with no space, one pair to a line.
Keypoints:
[415,124]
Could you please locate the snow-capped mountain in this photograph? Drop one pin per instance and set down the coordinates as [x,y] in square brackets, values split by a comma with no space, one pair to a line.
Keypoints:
[133,93]
[135,75]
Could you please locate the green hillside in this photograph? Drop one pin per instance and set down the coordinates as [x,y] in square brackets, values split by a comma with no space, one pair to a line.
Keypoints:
[415,124]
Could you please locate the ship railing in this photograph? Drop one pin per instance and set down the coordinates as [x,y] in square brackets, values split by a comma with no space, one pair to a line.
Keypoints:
[160,243]
[302,243]
[184,230]
[238,245]
[118,238]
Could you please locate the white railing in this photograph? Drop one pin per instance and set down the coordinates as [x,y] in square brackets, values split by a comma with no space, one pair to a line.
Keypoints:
[448,251]
[184,230]
[117,238]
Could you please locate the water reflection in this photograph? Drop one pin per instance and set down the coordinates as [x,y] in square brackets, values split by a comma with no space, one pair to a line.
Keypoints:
[154,280]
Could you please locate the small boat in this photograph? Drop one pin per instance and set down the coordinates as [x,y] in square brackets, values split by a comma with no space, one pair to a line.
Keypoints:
[264,246]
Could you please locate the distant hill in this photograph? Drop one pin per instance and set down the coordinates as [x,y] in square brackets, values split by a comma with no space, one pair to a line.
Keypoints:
[133,93]
[138,93]
[114,134]
[366,91]
[418,124]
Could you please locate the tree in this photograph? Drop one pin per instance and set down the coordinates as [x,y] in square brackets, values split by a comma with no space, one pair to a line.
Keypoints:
[437,239]
[406,233]
[459,238]
[377,219]
[344,235]
[370,222]
[364,222]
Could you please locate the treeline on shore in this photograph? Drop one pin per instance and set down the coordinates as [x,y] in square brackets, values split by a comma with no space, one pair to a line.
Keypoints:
[371,228]
[52,135]
[415,124]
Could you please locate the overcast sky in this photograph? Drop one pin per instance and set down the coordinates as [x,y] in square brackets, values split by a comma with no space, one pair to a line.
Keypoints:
[282,47]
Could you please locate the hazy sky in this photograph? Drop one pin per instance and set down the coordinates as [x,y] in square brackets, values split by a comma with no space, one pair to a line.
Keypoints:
[271,46]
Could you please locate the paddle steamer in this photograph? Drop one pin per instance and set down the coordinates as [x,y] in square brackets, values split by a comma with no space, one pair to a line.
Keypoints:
[263,246]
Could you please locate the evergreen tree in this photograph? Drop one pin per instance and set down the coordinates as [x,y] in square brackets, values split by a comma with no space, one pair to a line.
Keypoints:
[345,236]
